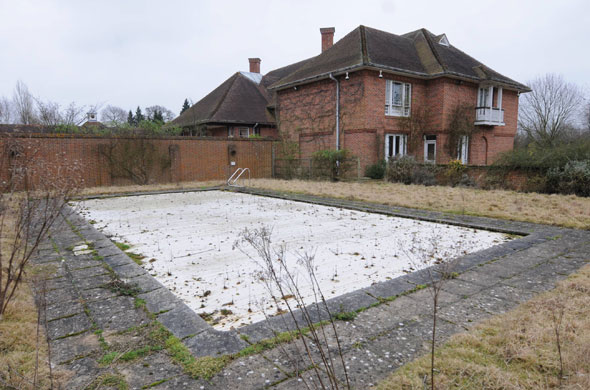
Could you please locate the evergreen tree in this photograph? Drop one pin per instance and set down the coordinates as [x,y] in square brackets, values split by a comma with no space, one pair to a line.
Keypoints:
[158,117]
[131,119]
[185,106]
[138,116]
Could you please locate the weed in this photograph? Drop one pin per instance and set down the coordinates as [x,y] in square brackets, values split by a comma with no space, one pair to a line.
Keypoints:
[345,315]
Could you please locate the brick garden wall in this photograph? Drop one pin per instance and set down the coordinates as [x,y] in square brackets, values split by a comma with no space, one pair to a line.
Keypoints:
[189,159]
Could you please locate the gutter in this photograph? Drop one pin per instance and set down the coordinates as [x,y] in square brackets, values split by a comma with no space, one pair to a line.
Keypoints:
[393,70]
[337,110]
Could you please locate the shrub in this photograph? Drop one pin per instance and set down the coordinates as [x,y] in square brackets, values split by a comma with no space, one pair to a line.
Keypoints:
[455,171]
[406,170]
[574,178]
[331,163]
[401,169]
[376,171]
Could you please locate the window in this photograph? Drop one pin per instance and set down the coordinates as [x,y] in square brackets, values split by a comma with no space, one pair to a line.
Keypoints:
[395,145]
[398,98]
[256,131]
[230,132]
[244,132]
[482,99]
[463,149]
[430,148]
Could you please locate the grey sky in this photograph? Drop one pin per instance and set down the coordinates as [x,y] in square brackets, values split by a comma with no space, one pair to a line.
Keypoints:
[130,53]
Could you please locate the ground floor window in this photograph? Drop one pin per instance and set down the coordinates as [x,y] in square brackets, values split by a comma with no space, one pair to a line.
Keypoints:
[230,132]
[256,131]
[463,149]
[430,148]
[395,145]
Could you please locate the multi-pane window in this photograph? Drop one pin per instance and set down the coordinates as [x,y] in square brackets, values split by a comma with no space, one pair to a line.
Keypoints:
[395,145]
[463,149]
[482,99]
[398,98]
[430,148]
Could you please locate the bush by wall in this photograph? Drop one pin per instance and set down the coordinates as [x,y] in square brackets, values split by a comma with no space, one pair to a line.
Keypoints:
[574,178]
[332,164]
[376,171]
[406,170]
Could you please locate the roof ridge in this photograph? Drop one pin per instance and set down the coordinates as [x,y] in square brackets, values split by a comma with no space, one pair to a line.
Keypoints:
[364,51]
[432,49]
[222,100]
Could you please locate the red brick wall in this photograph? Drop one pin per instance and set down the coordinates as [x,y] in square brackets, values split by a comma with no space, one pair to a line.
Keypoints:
[191,158]
[307,116]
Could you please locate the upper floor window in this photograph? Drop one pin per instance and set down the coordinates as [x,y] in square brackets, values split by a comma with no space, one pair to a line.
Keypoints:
[398,98]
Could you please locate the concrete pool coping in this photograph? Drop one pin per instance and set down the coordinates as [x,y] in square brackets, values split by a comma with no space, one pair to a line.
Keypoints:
[203,340]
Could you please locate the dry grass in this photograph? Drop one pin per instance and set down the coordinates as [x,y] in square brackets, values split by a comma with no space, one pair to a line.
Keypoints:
[188,185]
[18,329]
[562,210]
[516,350]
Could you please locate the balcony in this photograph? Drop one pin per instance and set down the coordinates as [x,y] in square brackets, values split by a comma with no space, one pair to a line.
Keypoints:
[488,116]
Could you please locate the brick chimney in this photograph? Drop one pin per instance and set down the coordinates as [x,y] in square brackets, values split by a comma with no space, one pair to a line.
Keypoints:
[327,37]
[254,65]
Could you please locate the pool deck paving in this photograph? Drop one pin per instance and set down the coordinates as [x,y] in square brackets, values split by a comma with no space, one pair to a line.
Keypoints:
[101,301]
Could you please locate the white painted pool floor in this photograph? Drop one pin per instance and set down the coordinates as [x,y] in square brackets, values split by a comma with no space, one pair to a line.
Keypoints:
[188,243]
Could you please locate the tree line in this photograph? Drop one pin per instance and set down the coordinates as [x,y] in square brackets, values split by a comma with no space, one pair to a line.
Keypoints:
[27,109]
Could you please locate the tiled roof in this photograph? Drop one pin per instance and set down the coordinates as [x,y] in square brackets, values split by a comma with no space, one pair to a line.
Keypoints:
[417,53]
[245,97]
[237,100]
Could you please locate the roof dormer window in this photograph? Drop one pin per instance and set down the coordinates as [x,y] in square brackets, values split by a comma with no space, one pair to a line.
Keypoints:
[444,41]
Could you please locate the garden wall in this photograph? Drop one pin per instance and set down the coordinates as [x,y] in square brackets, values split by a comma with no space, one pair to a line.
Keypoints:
[106,161]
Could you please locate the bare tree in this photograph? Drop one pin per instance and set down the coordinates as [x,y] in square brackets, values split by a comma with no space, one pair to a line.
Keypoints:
[550,109]
[23,105]
[30,202]
[5,110]
[49,114]
[167,115]
[73,114]
[113,116]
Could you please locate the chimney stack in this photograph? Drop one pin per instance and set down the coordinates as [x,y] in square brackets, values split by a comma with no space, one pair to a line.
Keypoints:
[327,37]
[254,65]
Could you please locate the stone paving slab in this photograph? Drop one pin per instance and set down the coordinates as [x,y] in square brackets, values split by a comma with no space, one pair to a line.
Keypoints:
[68,326]
[149,370]
[252,372]
[70,348]
[377,341]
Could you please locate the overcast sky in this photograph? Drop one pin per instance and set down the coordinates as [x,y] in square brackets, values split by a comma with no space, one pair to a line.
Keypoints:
[130,53]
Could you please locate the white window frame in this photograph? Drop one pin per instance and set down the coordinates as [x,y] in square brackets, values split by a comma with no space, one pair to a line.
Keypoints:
[463,149]
[230,132]
[390,143]
[426,143]
[241,129]
[483,97]
[401,106]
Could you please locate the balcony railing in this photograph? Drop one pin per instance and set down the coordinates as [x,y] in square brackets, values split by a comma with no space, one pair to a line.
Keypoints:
[489,116]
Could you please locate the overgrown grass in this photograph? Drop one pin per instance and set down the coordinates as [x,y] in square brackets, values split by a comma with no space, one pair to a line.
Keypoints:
[18,328]
[561,210]
[516,350]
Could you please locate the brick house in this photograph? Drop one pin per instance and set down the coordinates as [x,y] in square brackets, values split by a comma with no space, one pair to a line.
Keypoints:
[381,95]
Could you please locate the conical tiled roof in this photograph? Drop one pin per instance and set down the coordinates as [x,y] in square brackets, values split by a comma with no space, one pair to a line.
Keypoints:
[237,100]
